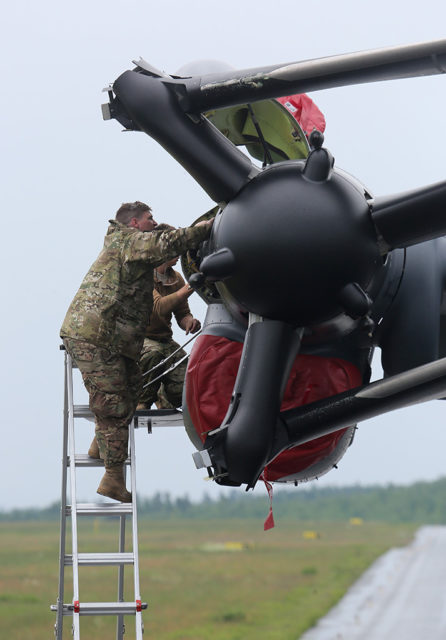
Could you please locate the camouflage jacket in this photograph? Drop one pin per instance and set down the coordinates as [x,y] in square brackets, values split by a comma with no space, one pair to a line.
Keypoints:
[165,302]
[115,298]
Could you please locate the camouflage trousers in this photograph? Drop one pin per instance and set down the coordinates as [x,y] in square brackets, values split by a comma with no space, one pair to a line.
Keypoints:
[169,389]
[113,383]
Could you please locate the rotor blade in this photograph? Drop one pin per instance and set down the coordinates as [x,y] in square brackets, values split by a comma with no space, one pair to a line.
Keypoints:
[246,434]
[218,90]
[146,103]
[314,420]
[411,217]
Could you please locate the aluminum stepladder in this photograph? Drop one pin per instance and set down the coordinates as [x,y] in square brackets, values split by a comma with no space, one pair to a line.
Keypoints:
[70,462]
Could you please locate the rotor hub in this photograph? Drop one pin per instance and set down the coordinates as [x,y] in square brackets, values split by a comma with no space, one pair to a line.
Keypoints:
[298,233]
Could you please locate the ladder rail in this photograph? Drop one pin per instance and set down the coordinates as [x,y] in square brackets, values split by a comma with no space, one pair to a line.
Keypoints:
[63,509]
[139,624]
[73,496]
[120,628]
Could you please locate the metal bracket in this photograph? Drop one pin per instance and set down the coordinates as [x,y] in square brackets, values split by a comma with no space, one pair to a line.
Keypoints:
[202,459]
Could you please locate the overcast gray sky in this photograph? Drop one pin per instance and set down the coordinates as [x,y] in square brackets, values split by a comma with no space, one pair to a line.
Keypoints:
[65,171]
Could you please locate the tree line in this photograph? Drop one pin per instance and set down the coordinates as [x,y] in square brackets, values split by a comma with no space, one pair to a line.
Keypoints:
[421,502]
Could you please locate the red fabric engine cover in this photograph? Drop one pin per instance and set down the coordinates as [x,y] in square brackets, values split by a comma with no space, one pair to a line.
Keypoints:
[213,366]
[304,110]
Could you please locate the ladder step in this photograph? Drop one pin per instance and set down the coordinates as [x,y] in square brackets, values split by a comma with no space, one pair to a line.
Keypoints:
[97,559]
[102,608]
[84,460]
[152,413]
[83,411]
[145,418]
[99,509]
[170,420]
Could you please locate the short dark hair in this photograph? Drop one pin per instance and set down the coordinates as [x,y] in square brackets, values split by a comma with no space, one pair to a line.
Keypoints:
[129,210]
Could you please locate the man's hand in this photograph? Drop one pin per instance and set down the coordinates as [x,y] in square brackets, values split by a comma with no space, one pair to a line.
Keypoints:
[207,223]
[190,324]
[185,292]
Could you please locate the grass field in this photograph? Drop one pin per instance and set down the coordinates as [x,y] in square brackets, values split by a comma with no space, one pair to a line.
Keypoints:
[266,585]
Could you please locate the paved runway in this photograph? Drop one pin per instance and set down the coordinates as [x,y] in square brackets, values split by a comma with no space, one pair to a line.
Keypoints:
[401,596]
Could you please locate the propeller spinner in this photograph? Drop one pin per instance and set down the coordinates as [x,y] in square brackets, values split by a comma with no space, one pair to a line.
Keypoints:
[297,243]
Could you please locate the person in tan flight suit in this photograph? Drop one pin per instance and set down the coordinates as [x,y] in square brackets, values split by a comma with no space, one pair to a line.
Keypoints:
[170,296]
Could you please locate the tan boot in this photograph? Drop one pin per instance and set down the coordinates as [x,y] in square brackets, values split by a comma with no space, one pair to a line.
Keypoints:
[93,451]
[112,484]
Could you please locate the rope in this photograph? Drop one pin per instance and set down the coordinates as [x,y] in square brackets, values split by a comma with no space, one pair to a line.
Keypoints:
[174,366]
[267,154]
[160,364]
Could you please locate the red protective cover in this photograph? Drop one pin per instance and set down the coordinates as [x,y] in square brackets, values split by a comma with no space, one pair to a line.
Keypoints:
[213,366]
[304,110]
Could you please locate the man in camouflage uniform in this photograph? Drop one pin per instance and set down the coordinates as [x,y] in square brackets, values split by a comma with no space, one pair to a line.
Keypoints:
[105,324]
[170,296]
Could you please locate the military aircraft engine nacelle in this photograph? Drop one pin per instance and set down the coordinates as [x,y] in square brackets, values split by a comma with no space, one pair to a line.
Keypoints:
[303,252]
[297,244]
